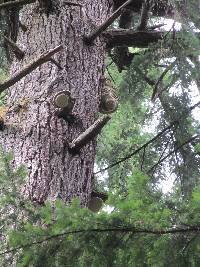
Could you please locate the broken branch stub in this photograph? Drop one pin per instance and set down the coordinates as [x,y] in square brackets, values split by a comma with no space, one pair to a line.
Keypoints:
[91,37]
[29,68]
[89,134]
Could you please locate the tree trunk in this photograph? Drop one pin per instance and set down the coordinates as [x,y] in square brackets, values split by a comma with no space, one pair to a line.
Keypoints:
[36,135]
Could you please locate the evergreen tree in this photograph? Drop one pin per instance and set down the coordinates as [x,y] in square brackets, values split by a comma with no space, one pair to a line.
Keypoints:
[56,52]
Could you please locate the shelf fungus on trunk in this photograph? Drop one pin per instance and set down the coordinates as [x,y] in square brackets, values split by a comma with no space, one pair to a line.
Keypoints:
[64,103]
[109,99]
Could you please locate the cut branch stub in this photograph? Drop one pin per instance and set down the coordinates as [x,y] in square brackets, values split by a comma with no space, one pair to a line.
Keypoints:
[89,134]
[109,99]
[95,204]
[62,99]
[65,103]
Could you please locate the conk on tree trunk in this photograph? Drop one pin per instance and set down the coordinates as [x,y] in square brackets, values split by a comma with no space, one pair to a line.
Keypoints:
[38,137]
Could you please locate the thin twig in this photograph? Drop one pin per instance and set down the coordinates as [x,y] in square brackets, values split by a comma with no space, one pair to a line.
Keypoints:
[143,158]
[150,141]
[160,158]
[160,79]
[137,150]
[172,152]
[110,74]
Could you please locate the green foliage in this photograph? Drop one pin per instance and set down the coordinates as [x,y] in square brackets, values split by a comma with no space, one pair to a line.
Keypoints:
[60,235]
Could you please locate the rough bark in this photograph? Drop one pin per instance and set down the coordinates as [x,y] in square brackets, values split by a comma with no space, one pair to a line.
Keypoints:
[38,138]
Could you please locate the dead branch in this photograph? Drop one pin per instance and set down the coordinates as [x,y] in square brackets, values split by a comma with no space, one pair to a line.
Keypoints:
[69,3]
[89,134]
[133,38]
[91,37]
[151,28]
[160,79]
[16,50]
[29,68]
[16,3]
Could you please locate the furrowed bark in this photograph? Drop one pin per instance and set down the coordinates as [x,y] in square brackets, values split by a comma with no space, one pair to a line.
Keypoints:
[37,136]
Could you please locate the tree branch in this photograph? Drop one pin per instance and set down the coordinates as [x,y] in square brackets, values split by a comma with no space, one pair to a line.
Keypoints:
[137,150]
[16,3]
[177,230]
[131,38]
[163,152]
[156,88]
[29,68]
[91,37]
[150,141]
[172,152]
